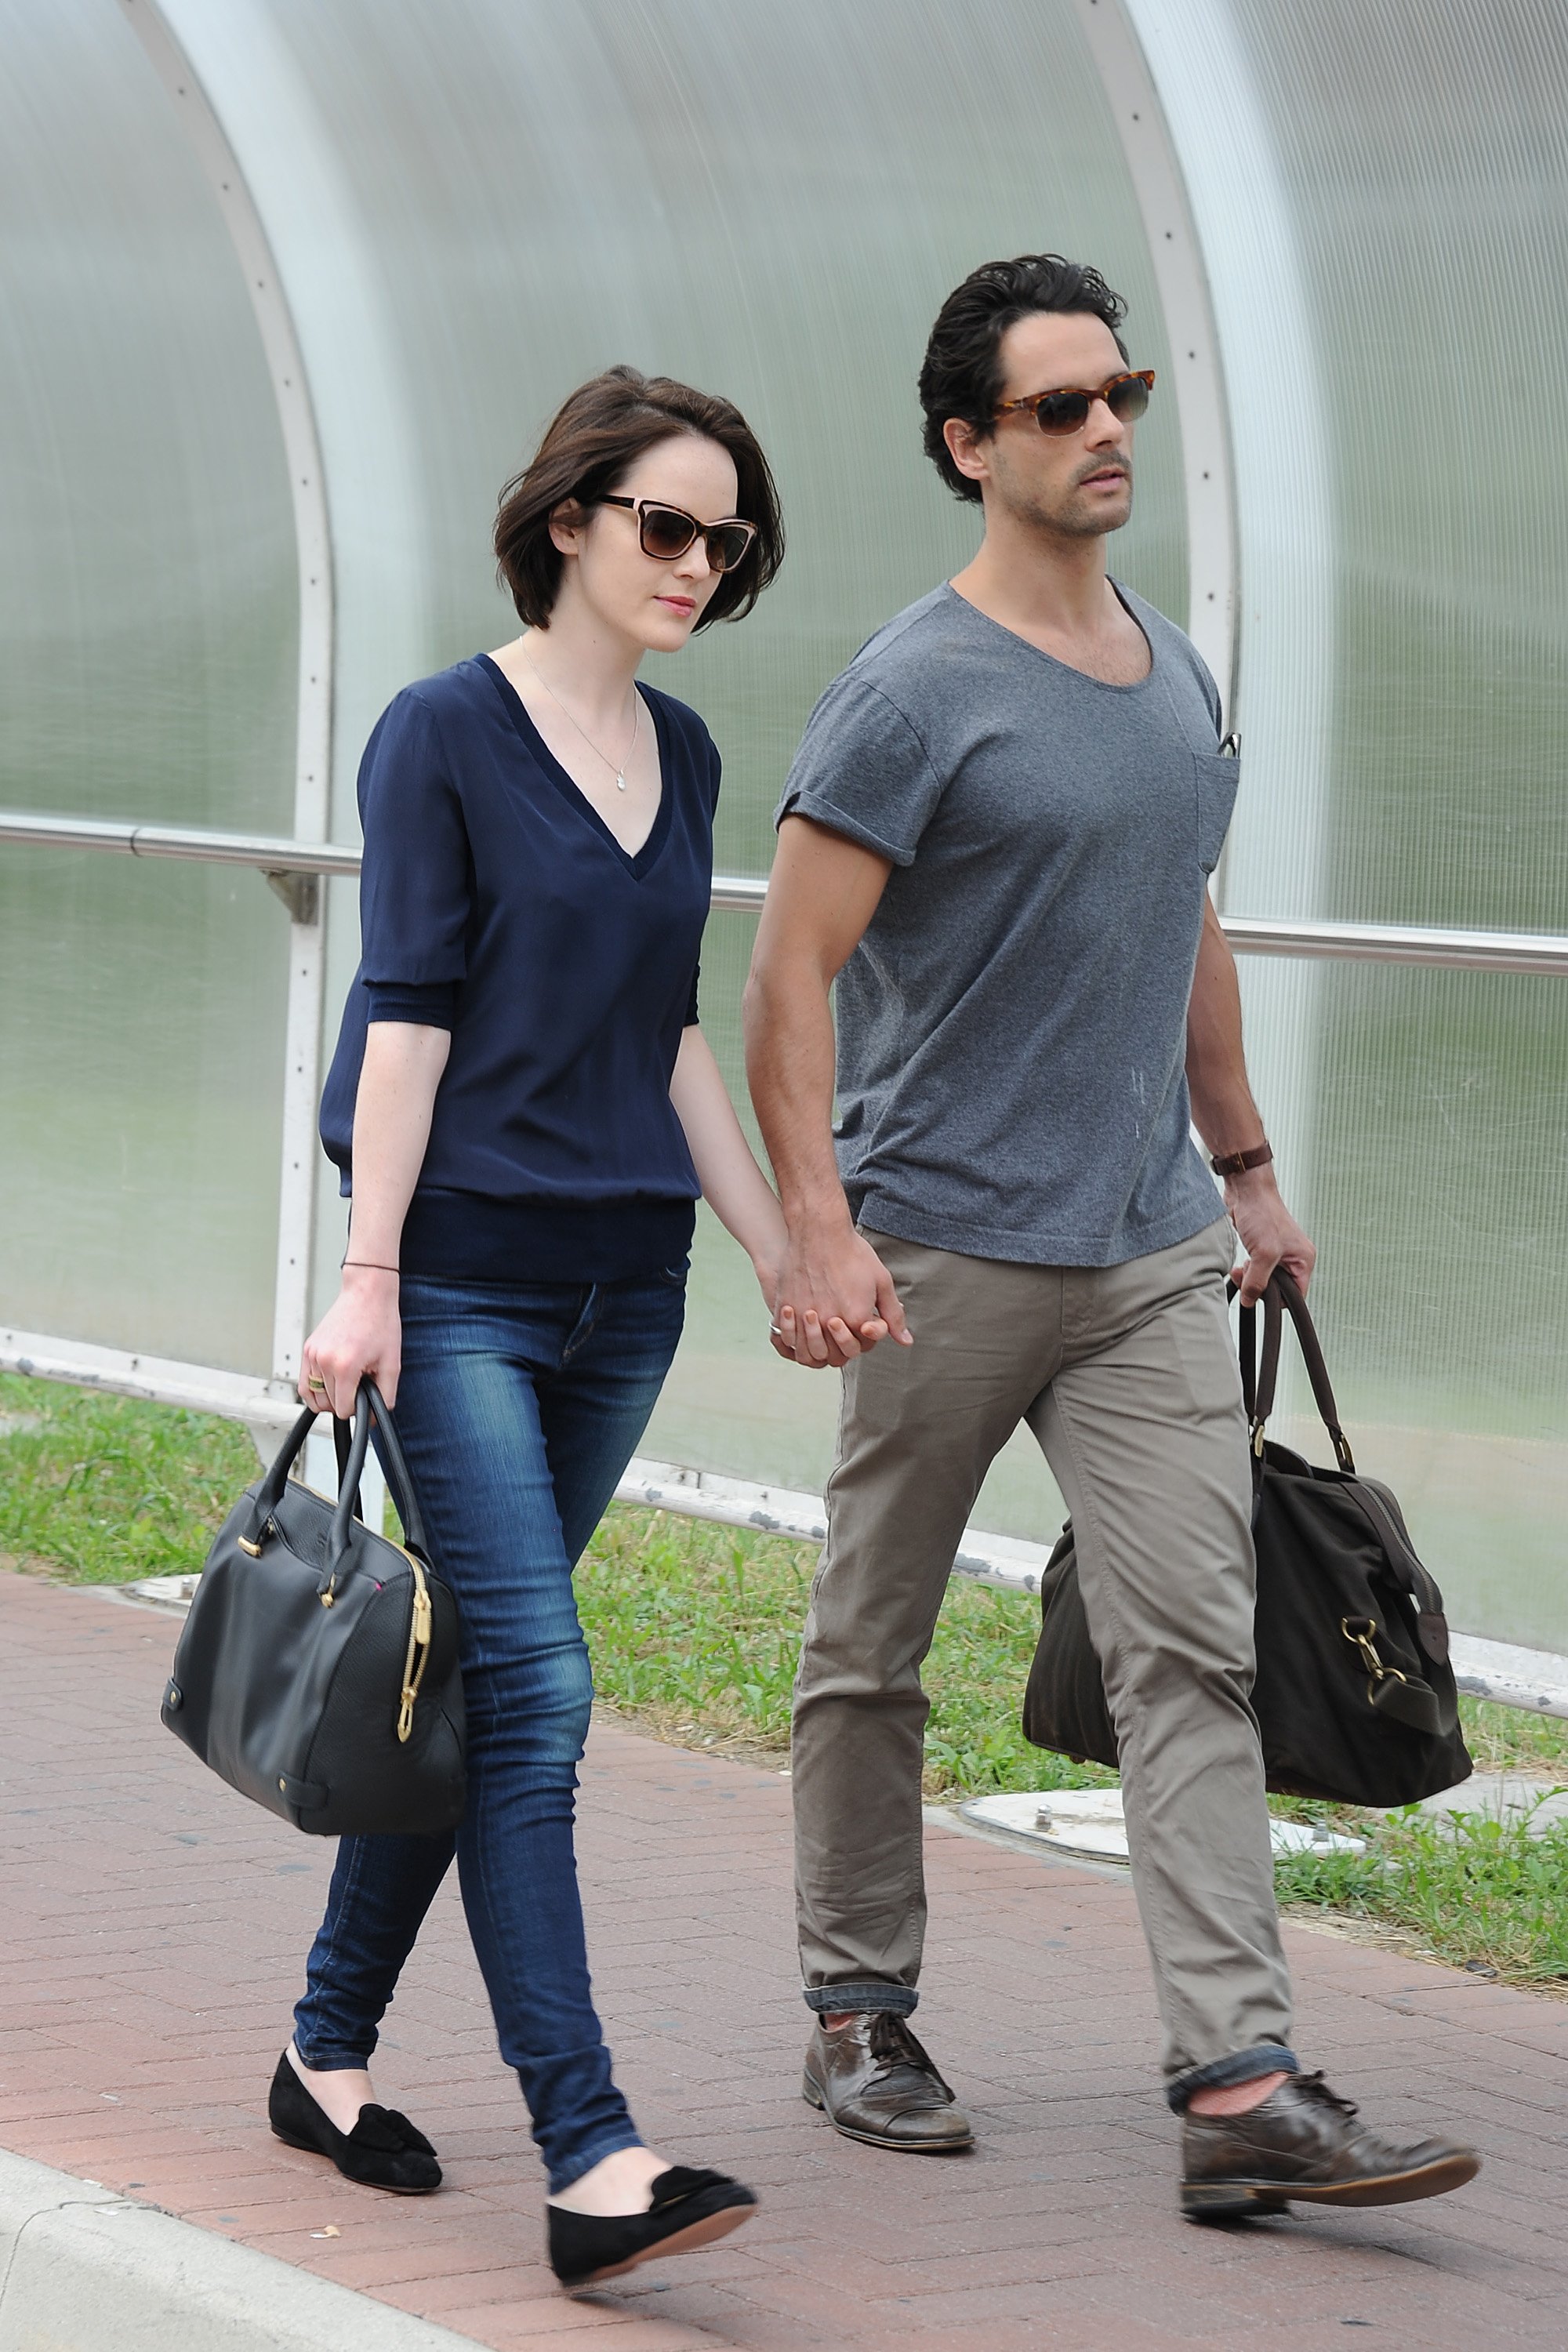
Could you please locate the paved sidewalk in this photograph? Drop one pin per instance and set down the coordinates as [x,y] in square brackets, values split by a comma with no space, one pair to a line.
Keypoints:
[153,1928]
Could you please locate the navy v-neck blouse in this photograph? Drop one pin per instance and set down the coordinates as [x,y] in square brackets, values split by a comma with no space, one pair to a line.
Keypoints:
[496,903]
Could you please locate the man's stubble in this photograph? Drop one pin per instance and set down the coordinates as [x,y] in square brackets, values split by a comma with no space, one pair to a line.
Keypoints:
[1069,515]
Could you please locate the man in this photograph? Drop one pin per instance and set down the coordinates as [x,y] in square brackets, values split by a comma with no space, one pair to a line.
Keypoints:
[995,840]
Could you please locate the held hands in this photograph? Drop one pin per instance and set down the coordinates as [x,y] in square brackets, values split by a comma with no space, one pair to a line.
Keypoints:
[1267,1232]
[833,1300]
[360,1333]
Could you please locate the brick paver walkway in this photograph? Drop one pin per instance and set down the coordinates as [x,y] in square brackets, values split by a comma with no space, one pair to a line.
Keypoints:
[153,1927]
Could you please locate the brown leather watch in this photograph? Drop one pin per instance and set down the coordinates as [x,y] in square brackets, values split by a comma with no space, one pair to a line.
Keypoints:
[1237,1164]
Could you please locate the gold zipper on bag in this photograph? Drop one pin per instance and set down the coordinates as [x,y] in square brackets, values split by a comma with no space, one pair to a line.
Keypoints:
[419,1631]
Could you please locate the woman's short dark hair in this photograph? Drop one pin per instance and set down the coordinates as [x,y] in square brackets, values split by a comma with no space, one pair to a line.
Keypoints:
[591,443]
[961,372]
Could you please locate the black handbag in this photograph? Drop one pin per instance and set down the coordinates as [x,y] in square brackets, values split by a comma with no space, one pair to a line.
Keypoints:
[1355,1695]
[318,1671]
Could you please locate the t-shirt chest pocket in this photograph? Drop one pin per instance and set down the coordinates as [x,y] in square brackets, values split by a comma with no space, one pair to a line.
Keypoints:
[1216,775]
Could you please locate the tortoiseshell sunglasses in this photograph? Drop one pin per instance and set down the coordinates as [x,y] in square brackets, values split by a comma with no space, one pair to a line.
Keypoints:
[665,532]
[1066,409]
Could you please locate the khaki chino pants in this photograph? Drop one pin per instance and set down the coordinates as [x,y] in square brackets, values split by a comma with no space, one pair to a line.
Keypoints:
[1126,1377]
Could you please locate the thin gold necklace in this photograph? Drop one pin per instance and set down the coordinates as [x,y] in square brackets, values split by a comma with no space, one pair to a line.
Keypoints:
[619,773]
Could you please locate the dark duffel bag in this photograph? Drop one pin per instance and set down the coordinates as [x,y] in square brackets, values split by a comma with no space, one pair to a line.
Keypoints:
[1355,1695]
[318,1669]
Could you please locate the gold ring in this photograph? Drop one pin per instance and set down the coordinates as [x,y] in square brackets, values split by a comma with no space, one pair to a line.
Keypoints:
[316,1382]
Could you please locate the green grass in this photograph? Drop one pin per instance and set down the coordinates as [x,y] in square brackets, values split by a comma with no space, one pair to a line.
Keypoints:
[100,1488]
[1473,1890]
[695,1629]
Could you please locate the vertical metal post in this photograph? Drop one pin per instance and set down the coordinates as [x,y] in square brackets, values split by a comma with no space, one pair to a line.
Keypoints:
[312,770]
[1226,254]
[1207,475]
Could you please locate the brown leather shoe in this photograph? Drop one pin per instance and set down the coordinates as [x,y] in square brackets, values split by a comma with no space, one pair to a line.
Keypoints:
[874,2081]
[1303,2144]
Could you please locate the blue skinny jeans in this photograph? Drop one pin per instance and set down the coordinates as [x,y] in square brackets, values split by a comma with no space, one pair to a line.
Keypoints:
[518,1407]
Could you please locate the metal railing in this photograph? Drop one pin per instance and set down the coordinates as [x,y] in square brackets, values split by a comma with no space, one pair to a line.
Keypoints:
[266,853]
[1405,943]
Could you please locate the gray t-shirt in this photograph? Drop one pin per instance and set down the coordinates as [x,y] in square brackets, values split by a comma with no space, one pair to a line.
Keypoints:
[1012,1028]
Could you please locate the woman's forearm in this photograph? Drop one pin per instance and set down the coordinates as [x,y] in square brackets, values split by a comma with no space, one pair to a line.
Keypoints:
[362,1331]
[732,1184]
[402,1069]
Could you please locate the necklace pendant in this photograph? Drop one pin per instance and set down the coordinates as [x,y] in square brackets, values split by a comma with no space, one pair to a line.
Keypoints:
[620,782]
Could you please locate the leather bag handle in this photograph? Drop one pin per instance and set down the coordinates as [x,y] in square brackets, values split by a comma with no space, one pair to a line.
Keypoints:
[1257,1384]
[1259,1379]
[1317,1369]
[369,1404]
[342,1443]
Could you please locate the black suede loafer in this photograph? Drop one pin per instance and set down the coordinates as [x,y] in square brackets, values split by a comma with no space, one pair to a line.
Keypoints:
[689,2208]
[383,2151]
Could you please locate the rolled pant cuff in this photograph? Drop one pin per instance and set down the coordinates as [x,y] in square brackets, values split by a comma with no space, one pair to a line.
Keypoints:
[325,2060]
[1241,2066]
[841,1999]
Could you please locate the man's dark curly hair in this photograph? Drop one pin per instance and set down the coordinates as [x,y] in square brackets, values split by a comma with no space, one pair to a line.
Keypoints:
[962,373]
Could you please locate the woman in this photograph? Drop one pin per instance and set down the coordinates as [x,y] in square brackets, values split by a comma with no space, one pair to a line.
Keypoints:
[524,1109]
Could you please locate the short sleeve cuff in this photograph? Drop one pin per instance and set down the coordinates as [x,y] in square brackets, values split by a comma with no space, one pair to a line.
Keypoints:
[431,1004]
[822,812]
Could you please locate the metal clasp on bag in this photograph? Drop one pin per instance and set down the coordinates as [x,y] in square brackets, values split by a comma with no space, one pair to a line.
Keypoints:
[1377,1672]
[419,1635]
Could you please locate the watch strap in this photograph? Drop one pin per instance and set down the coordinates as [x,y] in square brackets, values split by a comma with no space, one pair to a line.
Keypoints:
[1237,1164]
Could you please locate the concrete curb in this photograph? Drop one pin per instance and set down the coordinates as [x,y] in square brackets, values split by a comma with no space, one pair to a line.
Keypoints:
[82,2270]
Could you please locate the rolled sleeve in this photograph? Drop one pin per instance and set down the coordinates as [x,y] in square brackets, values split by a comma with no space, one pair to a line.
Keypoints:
[862,771]
[417,879]
[434,1006]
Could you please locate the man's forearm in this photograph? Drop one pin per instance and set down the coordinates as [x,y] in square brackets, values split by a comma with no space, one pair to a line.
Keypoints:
[1227,1119]
[790,1064]
[1223,1109]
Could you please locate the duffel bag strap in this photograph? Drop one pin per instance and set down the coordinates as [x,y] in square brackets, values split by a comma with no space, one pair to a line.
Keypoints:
[1317,1369]
[1362,1495]
[1257,1381]
[1392,1691]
